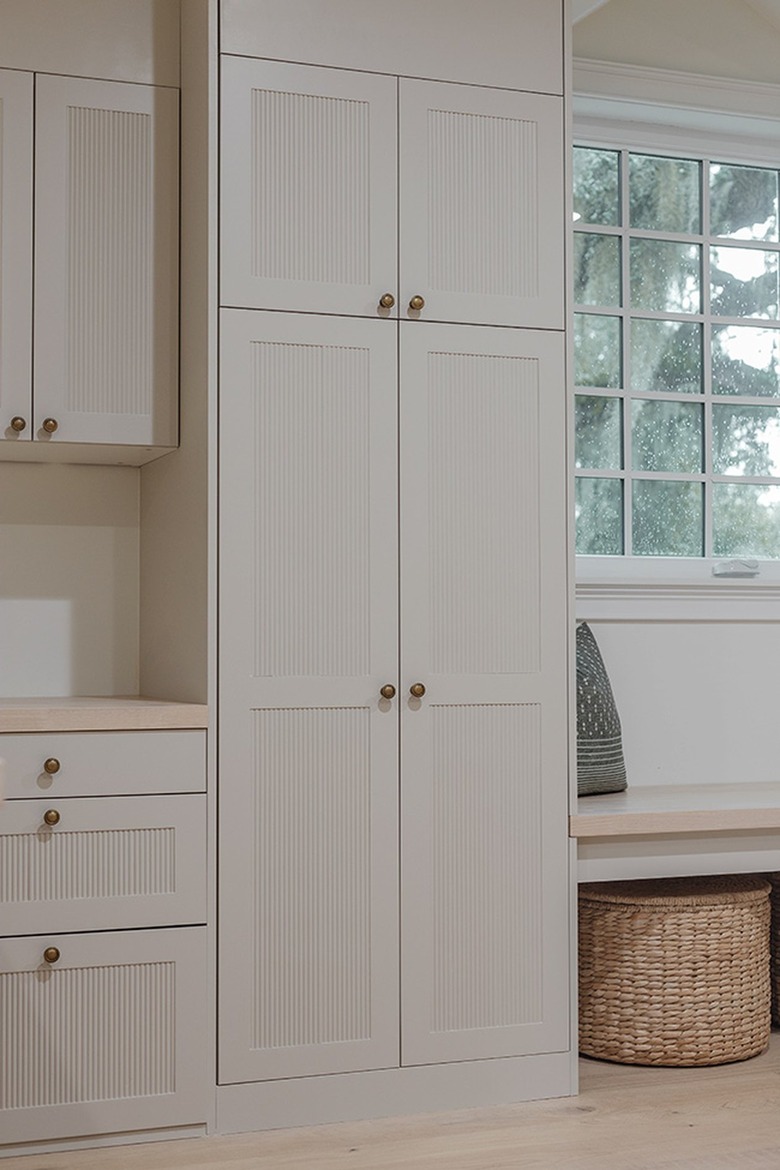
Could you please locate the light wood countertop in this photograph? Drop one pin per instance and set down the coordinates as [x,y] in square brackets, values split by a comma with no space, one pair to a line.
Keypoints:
[112,713]
[678,808]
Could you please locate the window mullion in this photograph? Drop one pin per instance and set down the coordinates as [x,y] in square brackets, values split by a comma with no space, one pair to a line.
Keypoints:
[706,355]
[626,338]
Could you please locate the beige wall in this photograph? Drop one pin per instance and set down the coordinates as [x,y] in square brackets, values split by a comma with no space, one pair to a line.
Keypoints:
[721,38]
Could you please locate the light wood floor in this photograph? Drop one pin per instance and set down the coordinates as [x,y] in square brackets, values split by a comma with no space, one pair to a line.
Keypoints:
[725,1118]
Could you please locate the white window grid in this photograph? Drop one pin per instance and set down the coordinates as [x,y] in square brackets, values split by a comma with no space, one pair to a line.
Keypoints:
[705,319]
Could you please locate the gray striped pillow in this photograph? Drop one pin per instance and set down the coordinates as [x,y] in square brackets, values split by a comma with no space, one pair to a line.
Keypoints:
[600,763]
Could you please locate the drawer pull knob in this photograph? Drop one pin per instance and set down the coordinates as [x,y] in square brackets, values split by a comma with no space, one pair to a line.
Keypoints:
[417,689]
[387,691]
[52,766]
[51,816]
[49,425]
[417,303]
[51,954]
[386,301]
[18,423]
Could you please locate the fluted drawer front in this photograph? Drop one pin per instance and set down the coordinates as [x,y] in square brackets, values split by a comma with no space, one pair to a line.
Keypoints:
[108,1025]
[103,763]
[93,864]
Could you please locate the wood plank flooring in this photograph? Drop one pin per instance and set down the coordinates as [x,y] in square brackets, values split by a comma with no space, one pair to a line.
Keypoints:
[723,1118]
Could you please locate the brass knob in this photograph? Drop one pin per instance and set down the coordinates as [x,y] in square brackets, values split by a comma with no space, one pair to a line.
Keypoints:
[51,766]
[387,691]
[387,301]
[51,955]
[18,424]
[49,425]
[417,689]
[51,816]
[417,303]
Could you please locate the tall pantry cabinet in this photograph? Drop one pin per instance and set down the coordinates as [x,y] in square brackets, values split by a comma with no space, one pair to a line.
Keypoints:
[394,888]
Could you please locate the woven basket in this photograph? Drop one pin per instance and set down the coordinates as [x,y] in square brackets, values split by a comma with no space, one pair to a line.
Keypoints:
[675,971]
[775,946]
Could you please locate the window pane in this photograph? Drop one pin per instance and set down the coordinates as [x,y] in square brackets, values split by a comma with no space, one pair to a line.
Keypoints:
[666,436]
[598,432]
[596,269]
[666,355]
[665,276]
[746,361]
[746,520]
[663,194]
[743,202]
[668,518]
[746,440]
[597,351]
[743,282]
[598,507]
[596,186]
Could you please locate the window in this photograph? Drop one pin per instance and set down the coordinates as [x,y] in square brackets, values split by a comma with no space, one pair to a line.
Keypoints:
[677,356]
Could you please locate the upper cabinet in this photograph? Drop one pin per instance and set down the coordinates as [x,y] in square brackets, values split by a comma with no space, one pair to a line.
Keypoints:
[103,338]
[16,184]
[310,217]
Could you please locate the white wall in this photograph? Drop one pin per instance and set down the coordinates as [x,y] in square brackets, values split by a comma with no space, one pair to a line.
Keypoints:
[722,38]
[69,568]
[699,701]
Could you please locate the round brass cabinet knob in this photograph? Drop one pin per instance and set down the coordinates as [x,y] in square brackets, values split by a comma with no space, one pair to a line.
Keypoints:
[417,303]
[51,816]
[387,301]
[417,689]
[51,766]
[18,424]
[387,691]
[51,954]
[49,425]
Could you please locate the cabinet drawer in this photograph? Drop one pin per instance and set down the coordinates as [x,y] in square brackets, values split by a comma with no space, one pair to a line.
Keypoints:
[110,1037]
[103,863]
[103,763]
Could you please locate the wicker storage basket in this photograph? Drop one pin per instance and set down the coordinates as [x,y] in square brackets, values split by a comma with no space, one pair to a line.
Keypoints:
[675,971]
[775,947]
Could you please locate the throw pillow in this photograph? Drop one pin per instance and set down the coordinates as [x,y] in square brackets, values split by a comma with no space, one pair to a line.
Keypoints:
[600,764]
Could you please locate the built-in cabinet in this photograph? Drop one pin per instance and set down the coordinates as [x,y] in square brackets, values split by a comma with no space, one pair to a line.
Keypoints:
[103,959]
[393,663]
[90,269]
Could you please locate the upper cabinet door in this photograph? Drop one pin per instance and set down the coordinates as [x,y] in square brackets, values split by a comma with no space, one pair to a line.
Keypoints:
[481,205]
[16,138]
[106,300]
[308,188]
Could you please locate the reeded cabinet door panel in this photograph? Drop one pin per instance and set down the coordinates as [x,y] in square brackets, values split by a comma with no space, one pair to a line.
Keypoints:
[308,188]
[484,903]
[308,637]
[16,178]
[106,261]
[103,1033]
[481,204]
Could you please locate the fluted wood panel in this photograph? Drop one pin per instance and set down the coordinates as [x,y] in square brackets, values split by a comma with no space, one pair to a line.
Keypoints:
[483,204]
[312,885]
[310,188]
[487,867]
[311,458]
[483,513]
[86,1034]
[109,330]
[63,865]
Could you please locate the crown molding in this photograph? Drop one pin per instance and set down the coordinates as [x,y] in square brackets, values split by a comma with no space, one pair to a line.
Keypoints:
[668,87]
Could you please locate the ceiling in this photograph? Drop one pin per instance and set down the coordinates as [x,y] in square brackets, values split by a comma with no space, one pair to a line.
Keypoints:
[769,9]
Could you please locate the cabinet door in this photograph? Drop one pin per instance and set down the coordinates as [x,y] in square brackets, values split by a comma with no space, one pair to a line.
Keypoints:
[108,1038]
[16,170]
[308,755]
[481,204]
[308,188]
[484,756]
[106,257]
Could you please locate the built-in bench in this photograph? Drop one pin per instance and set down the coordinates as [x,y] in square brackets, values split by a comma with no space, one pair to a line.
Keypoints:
[670,830]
